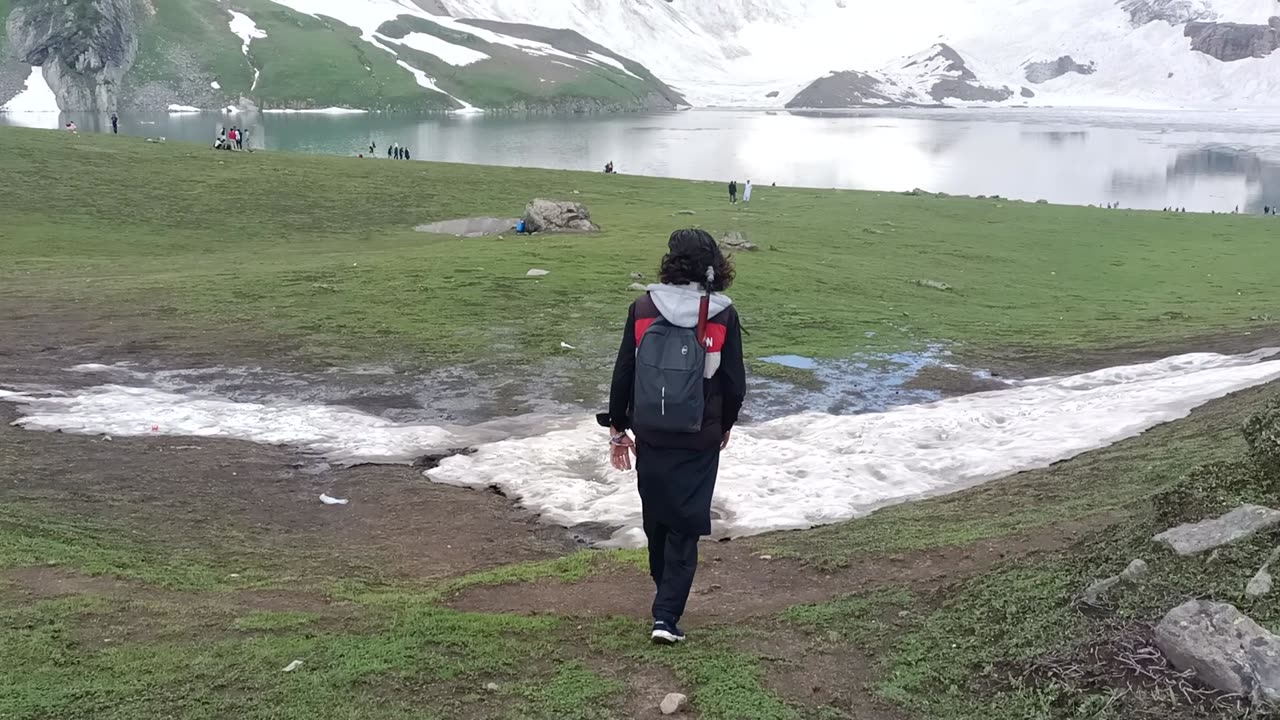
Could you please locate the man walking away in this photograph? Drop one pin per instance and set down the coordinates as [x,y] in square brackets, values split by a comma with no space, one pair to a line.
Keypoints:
[406,154]
[733,192]
[391,150]
[679,383]
[244,137]
[239,139]
[373,146]
[115,124]
[746,193]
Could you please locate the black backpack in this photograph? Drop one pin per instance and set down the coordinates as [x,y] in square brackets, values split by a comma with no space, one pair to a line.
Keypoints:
[670,362]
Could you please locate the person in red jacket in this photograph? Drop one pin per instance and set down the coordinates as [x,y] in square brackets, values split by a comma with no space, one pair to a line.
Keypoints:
[677,470]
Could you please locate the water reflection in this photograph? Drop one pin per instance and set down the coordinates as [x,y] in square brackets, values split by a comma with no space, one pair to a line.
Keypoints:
[1198,160]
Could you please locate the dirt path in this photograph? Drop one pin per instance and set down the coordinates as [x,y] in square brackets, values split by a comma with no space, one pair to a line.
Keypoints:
[734,583]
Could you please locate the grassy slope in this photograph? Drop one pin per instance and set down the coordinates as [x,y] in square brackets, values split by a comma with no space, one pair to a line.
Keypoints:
[195,29]
[512,76]
[318,62]
[321,251]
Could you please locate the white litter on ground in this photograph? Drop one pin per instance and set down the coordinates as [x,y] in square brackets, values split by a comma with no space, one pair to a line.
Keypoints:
[215,85]
[330,500]
[292,666]
[36,97]
[793,472]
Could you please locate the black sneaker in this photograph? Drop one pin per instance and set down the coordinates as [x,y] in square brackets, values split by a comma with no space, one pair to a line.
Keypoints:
[665,633]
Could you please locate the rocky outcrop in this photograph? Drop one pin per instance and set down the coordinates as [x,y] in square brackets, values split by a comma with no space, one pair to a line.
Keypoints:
[847,89]
[84,47]
[927,79]
[1174,12]
[557,216]
[1244,521]
[1042,71]
[1227,650]
[1229,42]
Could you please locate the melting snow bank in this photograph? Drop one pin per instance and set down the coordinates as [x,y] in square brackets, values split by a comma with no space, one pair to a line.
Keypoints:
[36,97]
[795,471]
[810,469]
[318,111]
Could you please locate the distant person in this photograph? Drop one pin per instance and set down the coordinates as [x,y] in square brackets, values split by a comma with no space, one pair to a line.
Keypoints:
[391,151]
[372,147]
[406,154]
[733,192]
[244,137]
[746,193]
[679,433]
[1266,209]
[115,124]
[71,127]
[239,139]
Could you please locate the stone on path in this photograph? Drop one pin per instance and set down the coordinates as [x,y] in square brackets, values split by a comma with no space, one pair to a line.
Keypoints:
[673,703]
[638,287]
[557,216]
[292,666]
[1227,650]
[1238,524]
[536,272]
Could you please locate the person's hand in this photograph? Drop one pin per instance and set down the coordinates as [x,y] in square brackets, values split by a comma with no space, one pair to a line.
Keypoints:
[621,450]
[724,442]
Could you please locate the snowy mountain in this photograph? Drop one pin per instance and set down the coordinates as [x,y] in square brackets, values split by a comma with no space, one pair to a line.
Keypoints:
[587,55]
[393,55]
[1152,53]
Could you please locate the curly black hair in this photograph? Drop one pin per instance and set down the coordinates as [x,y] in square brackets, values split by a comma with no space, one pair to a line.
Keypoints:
[691,252]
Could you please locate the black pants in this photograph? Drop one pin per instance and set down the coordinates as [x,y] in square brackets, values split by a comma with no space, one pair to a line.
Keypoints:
[673,560]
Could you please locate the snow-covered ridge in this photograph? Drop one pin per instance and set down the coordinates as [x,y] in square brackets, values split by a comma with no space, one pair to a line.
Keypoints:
[736,52]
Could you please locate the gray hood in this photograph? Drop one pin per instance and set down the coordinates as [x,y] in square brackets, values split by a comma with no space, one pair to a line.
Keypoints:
[679,303]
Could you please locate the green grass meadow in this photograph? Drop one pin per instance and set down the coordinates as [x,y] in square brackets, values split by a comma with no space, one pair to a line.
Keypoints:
[293,259]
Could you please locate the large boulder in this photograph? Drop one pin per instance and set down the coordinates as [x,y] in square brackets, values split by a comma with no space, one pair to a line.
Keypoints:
[1229,42]
[557,216]
[1227,650]
[1238,524]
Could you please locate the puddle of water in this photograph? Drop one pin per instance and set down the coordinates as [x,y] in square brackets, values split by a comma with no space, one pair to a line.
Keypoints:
[795,471]
[471,227]
[799,362]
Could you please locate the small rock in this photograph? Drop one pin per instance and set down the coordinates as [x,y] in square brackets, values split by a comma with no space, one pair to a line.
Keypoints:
[638,287]
[637,276]
[833,636]
[686,212]
[491,687]
[1136,570]
[935,284]
[107,438]
[673,703]
[536,272]
[766,557]
[1193,538]
[1260,584]
[1093,594]
[293,666]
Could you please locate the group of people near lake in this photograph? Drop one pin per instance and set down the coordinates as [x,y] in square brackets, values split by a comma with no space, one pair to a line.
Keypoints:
[608,168]
[733,192]
[233,138]
[395,152]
